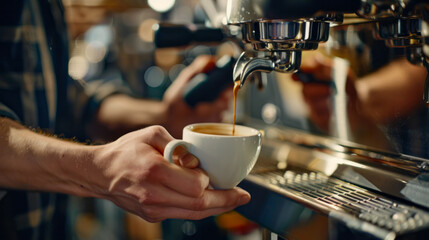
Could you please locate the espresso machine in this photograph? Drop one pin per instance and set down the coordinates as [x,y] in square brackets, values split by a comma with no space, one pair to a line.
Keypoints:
[338,169]
[344,156]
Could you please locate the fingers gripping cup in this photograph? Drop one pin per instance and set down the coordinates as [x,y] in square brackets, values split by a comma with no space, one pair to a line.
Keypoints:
[226,158]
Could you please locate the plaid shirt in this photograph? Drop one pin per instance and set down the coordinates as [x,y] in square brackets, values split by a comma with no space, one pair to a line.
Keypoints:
[35,90]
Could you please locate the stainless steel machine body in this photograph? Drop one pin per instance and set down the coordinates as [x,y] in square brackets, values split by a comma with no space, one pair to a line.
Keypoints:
[331,166]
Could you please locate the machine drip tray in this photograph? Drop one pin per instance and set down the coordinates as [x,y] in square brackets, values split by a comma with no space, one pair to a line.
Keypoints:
[355,207]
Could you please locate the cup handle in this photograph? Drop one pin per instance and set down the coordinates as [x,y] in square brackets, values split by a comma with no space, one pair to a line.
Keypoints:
[172,145]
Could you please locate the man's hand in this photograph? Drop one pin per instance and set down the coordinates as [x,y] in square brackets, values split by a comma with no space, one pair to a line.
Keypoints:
[132,173]
[179,114]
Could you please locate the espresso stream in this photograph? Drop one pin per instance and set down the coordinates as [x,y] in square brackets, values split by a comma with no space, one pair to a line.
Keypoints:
[235,91]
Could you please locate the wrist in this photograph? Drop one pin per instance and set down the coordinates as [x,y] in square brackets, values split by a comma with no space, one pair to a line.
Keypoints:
[84,176]
[70,165]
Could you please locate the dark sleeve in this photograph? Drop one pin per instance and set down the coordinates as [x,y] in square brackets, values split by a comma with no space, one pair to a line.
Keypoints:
[7,112]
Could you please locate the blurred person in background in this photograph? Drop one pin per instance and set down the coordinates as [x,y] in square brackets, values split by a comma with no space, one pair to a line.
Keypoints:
[371,97]
[40,105]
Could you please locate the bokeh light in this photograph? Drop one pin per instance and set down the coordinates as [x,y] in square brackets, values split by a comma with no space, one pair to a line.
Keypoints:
[95,51]
[78,67]
[161,5]
[145,31]
[154,76]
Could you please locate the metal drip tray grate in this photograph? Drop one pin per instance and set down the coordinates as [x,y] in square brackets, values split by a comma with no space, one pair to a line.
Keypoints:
[339,195]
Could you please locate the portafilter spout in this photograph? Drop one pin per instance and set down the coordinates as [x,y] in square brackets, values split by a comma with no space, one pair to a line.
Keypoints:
[280,61]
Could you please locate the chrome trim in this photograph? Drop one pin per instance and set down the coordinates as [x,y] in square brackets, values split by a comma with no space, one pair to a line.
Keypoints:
[276,35]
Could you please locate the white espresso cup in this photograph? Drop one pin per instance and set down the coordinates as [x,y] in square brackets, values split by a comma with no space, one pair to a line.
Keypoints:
[226,158]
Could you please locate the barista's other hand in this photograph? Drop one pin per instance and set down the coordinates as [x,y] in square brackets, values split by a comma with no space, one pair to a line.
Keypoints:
[179,114]
[317,94]
[136,177]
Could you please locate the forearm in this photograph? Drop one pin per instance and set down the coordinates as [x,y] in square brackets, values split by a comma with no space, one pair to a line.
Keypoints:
[33,161]
[119,114]
[381,93]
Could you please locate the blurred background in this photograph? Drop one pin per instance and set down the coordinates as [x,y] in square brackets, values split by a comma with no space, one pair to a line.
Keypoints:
[113,41]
